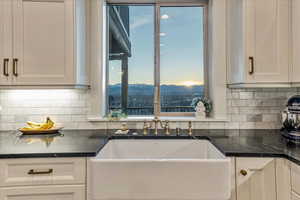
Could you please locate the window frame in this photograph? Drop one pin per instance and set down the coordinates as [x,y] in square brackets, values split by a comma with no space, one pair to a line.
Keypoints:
[217,61]
[157,105]
[157,6]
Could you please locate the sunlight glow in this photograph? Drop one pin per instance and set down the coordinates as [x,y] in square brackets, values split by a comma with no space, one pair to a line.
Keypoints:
[190,83]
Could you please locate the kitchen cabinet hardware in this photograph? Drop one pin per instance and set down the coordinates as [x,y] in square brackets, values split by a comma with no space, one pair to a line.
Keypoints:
[5,67]
[15,67]
[36,172]
[251,65]
[243,172]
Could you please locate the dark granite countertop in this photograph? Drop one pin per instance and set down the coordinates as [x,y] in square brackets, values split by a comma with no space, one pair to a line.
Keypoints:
[87,143]
[68,143]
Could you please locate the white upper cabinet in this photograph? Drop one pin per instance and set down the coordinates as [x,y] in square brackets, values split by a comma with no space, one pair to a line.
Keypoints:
[49,43]
[258,42]
[5,41]
[296,41]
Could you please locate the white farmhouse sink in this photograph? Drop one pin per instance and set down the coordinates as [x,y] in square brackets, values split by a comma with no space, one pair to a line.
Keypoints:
[159,169]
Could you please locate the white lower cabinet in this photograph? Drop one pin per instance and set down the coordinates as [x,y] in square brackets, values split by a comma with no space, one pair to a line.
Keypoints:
[295,196]
[295,181]
[63,192]
[283,179]
[65,179]
[43,179]
[42,171]
[255,179]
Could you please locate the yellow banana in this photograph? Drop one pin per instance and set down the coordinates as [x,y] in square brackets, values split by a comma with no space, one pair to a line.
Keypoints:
[33,124]
[51,123]
[48,125]
[40,126]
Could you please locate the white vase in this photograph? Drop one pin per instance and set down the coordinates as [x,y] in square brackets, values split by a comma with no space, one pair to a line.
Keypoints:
[200,115]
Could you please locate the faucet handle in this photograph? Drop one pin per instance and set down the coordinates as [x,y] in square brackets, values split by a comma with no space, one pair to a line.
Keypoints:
[190,129]
[146,127]
[167,128]
[178,130]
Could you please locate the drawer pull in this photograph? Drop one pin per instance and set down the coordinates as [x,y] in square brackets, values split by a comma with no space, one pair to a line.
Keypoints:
[256,170]
[5,67]
[15,67]
[251,67]
[245,173]
[34,172]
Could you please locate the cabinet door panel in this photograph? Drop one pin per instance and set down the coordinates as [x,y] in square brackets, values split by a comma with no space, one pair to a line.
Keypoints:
[257,181]
[5,41]
[43,41]
[295,177]
[295,196]
[268,40]
[61,192]
[296,40]
[15,172]
[283,179]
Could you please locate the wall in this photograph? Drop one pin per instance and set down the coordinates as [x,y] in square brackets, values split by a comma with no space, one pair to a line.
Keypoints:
[247,109]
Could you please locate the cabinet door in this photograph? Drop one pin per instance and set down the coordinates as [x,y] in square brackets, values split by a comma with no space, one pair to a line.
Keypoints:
[62,192]
[267,40]
[255,179]
[283,179]
[25,172]
[43,42]
[296,40]
[5,41]
[295,196]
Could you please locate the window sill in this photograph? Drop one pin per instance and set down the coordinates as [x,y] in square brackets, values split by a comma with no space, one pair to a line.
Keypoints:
[147,118]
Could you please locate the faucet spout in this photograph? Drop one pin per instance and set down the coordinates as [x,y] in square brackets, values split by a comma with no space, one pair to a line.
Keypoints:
[156,120]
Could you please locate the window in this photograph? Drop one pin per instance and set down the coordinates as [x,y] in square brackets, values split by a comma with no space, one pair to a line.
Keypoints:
[156,57]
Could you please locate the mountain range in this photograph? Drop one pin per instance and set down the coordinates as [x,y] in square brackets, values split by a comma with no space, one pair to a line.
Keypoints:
[145,89]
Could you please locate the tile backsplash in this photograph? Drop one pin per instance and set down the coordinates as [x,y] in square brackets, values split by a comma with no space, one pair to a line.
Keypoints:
[68,107]
[247,109]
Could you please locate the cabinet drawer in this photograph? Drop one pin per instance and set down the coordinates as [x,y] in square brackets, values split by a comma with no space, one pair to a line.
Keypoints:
[62,192]
[295,177]
[40,171]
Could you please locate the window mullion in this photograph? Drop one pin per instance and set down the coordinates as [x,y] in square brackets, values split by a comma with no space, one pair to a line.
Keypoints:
[157,62]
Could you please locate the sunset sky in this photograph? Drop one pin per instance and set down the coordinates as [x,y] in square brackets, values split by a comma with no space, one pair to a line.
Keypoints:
[181,46]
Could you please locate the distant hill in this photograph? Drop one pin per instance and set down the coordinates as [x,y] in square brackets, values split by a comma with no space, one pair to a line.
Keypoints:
[144,89]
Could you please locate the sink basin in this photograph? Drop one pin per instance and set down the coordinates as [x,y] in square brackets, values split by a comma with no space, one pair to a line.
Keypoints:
[159,169]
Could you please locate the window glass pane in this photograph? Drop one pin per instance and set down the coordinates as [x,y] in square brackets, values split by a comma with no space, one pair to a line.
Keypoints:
[114,92]
[131,58]
[181,57]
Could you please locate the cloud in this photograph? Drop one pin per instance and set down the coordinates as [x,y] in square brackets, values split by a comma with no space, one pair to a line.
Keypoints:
[165,16]
[141,22]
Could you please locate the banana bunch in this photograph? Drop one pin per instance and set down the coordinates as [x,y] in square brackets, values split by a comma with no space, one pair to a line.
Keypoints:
[40,126]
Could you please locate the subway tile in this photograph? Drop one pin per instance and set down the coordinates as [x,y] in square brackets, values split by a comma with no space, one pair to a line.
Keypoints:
[271,118]
[238,118]
[247,109]
[254,118]
[246,95]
